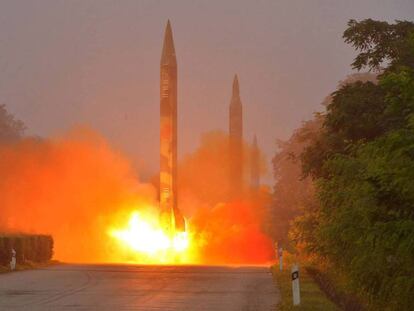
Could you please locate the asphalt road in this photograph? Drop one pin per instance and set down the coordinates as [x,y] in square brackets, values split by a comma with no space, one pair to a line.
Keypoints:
[112,287]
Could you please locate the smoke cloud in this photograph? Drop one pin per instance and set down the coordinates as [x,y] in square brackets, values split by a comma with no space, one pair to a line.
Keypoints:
[76,187]
[69,187]
[225,230]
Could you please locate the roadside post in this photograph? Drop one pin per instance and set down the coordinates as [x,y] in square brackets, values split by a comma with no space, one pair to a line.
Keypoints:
[13,260]
[295,285]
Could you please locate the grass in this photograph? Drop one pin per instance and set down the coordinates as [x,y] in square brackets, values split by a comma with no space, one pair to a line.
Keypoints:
[312,298]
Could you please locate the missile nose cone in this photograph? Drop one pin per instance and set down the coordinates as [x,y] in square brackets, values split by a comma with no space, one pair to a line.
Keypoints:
[236,92]
[236,85]
[168,50]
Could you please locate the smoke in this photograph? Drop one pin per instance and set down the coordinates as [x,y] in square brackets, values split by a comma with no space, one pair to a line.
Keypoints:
[71,187]
[225,230]
[203,175]
[76,188]
[231,233]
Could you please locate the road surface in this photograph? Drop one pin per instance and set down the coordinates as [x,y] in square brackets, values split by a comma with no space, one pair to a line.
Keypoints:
[118,287]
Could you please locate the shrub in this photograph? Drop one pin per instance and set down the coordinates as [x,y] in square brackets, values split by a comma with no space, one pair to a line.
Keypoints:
[36,248]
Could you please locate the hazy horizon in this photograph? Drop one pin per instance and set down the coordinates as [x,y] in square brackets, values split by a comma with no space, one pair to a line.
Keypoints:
[96,63]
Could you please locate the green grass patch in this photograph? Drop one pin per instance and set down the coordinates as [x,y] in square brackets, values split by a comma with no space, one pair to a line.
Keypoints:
[312,298]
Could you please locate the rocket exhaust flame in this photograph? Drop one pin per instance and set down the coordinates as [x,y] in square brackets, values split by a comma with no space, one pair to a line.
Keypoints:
[145,236]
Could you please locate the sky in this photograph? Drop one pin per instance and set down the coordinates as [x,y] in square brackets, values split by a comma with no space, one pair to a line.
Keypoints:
[95,63]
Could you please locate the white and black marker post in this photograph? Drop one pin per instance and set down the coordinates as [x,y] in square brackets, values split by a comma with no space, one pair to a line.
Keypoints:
[295,285]
[13,260]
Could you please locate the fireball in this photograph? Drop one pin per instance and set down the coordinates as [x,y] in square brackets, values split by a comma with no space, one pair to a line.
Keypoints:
[144,239]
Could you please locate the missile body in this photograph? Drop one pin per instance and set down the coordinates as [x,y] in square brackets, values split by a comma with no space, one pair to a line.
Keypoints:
[236,142]
[255,166]
[171,217]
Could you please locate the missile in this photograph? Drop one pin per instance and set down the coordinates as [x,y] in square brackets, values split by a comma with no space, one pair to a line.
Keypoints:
[236,141]
[171,217]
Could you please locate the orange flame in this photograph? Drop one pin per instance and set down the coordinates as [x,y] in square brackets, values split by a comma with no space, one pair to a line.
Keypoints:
[143,237]
[74,184]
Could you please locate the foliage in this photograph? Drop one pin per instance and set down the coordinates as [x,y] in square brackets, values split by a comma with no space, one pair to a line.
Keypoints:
[363,164]
[35,248]
[335,293]
[379,42]
[10,128]
[291,192]
[367,226]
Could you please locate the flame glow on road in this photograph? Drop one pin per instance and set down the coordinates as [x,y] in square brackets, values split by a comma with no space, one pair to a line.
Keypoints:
[143,236]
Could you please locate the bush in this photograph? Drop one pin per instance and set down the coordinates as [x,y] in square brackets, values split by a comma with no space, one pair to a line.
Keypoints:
[344,300]
[35,248]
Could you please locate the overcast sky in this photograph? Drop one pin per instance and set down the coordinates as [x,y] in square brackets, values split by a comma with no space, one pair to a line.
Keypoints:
[64,63]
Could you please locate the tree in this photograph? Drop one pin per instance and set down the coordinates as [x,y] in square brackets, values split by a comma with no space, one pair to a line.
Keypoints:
[380,42]
[291,192]
[363,165]
[10,128]
[354,114]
